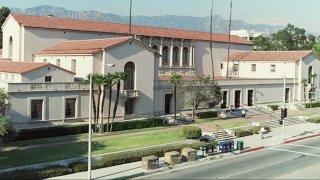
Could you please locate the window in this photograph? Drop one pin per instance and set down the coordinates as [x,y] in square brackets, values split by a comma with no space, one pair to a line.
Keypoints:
[253,67]
[48,79]
[310,74]
[175,56]
[287,95]
[273,68]
[185,56]
[129,69]
[221,66]
[236,68]
[165,55]
[36,109]
[70,111]
[45,60]
[10,46]
[73,65]
[58,62]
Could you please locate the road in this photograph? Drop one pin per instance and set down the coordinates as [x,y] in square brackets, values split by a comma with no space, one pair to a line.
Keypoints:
[299,160]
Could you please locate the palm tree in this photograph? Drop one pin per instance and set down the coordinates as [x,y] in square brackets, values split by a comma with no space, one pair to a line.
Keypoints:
[107,83]
[305,84]
[175,80]
[94,84]
[313,78]
[118,77]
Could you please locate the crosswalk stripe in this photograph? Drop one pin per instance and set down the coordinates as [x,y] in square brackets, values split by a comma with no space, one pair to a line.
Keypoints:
[302,146]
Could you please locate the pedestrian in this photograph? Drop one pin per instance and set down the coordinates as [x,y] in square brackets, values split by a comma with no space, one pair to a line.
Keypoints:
[243,113]
[262,130]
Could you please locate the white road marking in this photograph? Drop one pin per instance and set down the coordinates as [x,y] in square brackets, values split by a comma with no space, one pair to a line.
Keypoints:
[260,167]
[297,152]
[301,146]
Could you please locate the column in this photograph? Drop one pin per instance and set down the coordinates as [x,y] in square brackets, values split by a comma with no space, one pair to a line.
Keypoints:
[171,54]
[150,41]
[181,54]
[191,55]
[160,51]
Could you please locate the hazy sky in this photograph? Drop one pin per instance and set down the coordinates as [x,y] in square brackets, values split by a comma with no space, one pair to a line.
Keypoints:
[301,13]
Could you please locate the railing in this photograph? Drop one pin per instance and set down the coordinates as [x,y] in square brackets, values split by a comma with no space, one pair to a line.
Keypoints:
[131,93]
[27,87]
[183,70]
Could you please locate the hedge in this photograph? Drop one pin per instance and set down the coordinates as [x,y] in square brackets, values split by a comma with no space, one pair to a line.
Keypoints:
[314,120]
[25,134]
[208,114]
[242,133]
[313,105]
[273,107]
[191,132]
[106,161]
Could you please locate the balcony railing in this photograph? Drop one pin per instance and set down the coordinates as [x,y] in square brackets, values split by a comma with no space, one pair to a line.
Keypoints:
[27,87]
[131,93]
[183,70]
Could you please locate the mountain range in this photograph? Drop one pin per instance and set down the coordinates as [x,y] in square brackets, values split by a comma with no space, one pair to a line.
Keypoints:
[168,21]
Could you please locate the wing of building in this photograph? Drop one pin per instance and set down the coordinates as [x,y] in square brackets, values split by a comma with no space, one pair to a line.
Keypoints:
[73,49]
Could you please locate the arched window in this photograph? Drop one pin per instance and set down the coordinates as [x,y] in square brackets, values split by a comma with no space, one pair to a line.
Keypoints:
[129,69]
[185,56]
[310,75]
[175,56]
[165,55]
[10,47]
[155,47]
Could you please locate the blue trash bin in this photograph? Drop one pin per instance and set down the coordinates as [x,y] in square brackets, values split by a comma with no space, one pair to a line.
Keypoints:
[228,145]
[232,145]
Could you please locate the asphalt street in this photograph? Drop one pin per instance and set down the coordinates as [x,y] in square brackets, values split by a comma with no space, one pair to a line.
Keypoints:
[286,161]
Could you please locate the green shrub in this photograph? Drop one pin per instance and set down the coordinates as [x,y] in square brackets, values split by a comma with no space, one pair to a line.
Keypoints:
[273,107]
[255,130]
[25,134]
[7,131]
[314,120]
[242,133]
[191,132]
[137,124]
[208,114]
[313,105]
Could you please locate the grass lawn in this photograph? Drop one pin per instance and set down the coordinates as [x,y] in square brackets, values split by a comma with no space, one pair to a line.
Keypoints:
[60,152]
[235,124]
[73,137]
[199,121]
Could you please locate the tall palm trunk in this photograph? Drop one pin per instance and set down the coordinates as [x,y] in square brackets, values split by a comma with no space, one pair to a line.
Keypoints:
[98,108]
[211,53]
[175,101]
[109,106]
[102,107]
[305,98]
[93,103]
[115,104]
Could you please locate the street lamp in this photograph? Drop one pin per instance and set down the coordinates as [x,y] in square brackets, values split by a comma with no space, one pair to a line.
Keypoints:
[90,117]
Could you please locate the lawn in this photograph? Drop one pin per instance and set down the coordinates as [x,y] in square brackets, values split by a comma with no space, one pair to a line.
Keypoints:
[60,152]
[235,124]
[74,137]
[199,121]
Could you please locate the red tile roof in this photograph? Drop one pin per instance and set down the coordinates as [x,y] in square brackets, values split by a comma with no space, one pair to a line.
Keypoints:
[268,55]
[23,67]
[107,27]
[89,46]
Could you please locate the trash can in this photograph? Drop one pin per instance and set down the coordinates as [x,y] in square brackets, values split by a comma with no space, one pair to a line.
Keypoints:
[228,146]
[189,154]
[240,145]
[150,162]
[232,145]
[172,158]
[222,146]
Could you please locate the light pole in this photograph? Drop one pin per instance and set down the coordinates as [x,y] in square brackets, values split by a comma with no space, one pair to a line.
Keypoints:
[90,117]
[284,103]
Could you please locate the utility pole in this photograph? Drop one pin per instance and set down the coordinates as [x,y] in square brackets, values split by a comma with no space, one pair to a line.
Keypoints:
[130,16]
[211,53]
[230,17]
[284,103]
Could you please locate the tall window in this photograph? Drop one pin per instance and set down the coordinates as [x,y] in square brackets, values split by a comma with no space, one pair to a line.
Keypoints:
[36,109]
[253,67]
[310,75]
[221,66]
[273,68]
[165,55]
[175,56]
[58,62]
[10,46]
[129,69]
[185,56]
[73,65]
[70,111]
[48,79]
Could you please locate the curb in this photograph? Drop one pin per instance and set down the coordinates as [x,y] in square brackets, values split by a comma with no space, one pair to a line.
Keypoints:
[302,138]
[252,149]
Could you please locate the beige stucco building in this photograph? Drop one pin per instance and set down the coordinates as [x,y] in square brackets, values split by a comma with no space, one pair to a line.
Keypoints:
[149,56]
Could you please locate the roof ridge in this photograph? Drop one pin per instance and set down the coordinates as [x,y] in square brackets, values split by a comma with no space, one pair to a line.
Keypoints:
[98,39]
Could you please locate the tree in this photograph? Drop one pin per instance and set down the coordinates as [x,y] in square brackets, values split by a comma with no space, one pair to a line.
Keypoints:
[4,102]
[316,47]
[305,84]
[175,80]
[288,39]
[118,77]
[108,82]
[4,13]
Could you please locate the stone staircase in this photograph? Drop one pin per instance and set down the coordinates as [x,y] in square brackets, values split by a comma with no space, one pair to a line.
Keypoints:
[222,136]
[257,111]
[287,122]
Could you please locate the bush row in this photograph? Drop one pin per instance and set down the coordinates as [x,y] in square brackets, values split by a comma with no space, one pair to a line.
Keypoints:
[313,105]
[208,114]
[54,131]
[273,107]
[106,161]
[248,132]
[314,120]
[191,132]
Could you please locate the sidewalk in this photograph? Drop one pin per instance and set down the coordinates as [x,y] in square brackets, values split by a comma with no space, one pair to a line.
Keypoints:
[271,139]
